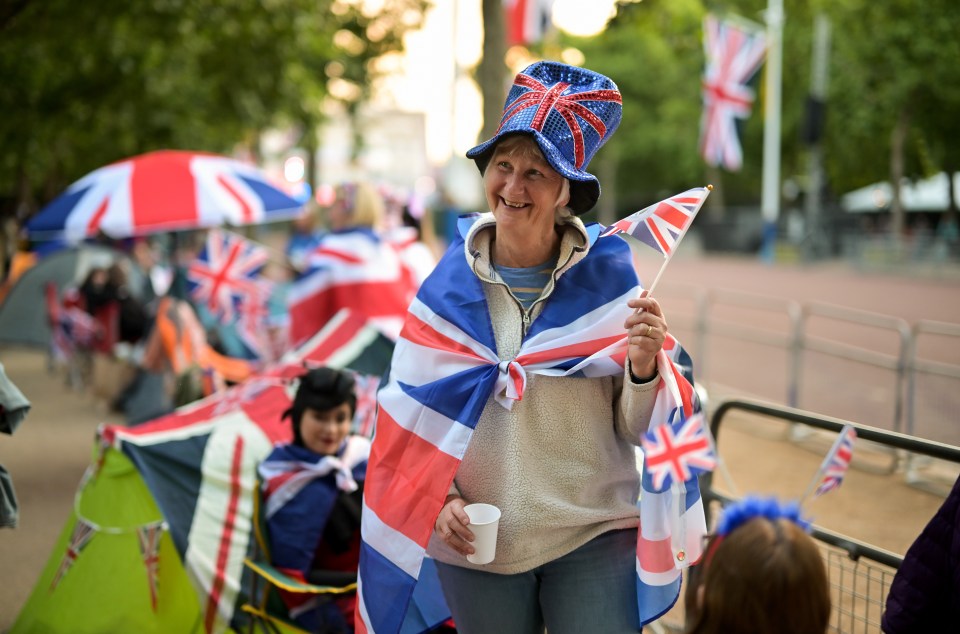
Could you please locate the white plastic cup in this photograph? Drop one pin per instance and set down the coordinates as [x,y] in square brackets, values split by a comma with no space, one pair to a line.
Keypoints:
[484,522]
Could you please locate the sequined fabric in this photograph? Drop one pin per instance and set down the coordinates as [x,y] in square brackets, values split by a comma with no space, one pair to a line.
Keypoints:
[570,112]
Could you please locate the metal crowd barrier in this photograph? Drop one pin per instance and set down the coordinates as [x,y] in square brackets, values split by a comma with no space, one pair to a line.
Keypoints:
[860,573]
[879,368]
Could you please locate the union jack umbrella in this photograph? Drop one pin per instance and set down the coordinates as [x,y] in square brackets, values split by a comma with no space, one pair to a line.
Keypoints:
[167,190]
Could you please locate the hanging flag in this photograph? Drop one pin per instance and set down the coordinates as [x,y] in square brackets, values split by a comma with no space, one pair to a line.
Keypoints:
[662,225]
[676,453]
[527,20]
[837,461]
[224,272]
[148,537]
[734,52]
[82,534]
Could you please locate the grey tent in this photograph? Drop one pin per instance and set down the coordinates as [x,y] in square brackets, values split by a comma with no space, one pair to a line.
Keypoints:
[23,315]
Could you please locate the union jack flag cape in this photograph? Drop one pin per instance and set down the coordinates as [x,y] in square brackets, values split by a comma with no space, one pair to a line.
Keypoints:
[837,461]
[445,370]
[734,54]
[662,225]
[300,488]
[352,269]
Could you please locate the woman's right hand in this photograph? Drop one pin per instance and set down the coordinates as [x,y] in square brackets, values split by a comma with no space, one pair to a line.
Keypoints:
[451,526]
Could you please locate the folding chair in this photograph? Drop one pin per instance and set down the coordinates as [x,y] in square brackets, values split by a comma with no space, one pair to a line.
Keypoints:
[265,608]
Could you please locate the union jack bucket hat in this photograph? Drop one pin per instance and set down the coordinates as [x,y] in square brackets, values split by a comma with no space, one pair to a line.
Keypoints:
[570,112]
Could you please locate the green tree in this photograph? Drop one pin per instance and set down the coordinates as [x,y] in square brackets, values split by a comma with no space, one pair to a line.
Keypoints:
[84,84]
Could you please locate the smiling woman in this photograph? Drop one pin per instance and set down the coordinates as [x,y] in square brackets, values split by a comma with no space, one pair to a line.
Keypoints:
[526,372]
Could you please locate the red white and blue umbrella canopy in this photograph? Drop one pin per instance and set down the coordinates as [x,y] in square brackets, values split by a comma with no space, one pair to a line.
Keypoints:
[168,190]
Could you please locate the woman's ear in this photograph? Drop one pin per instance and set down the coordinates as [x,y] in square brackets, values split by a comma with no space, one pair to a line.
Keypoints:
[700,591]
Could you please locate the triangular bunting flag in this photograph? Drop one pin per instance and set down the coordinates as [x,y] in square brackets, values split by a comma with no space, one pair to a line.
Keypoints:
[149,536]
[82,534]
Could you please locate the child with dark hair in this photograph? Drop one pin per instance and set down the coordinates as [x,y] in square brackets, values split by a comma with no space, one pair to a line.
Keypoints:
[312,492]
[761,573]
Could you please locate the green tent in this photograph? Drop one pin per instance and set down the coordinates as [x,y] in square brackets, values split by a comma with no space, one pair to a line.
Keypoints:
[107,587]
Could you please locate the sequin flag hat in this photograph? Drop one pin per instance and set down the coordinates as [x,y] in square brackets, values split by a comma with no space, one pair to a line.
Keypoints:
[570,112]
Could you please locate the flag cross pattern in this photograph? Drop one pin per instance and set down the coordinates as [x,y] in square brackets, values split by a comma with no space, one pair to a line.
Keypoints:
[837,461]
[675,453]
[733,57]
[547,100]
[225,271]
[662,225]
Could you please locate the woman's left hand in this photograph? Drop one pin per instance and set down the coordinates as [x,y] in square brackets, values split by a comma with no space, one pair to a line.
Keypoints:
[646,332]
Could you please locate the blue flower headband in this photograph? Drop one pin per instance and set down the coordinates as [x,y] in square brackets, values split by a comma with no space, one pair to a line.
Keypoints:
[750,507]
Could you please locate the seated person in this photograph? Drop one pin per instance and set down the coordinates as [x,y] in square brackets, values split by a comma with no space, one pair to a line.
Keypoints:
[312,492]
[760,573]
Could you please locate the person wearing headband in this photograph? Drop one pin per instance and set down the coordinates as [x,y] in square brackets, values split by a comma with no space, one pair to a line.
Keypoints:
[312,489]
[761,573]
[553,448]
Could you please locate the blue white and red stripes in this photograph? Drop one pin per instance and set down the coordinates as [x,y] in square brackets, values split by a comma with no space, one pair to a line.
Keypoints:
[352,269]
[445,370]
[837,461]
[675,453]
[662,225]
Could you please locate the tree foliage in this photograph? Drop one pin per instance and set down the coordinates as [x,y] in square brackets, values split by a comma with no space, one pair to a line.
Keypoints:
[88,83]
[886,58]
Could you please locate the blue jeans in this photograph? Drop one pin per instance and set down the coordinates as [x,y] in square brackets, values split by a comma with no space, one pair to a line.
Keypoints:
[592,589]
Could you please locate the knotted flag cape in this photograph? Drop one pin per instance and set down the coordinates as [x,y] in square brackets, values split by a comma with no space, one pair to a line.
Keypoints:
[444,372]
[300,488]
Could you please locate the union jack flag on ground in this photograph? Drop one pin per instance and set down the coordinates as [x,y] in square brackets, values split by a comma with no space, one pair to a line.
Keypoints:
[734,53]
[224,272]
[662,225]
[837,461]
[445,369]
[676,453]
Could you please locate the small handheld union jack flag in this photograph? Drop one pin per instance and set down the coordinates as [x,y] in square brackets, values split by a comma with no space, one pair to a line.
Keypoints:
[225,271]
[675,453]
[837,461]
[662,225]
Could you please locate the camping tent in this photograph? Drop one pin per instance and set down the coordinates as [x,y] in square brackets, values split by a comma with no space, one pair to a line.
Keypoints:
[185,509]
[23,318]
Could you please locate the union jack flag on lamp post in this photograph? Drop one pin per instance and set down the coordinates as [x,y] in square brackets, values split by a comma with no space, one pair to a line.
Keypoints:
[734,53]
[675,453]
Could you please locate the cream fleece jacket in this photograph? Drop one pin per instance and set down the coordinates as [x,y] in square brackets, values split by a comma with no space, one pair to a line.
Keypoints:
[561,464]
